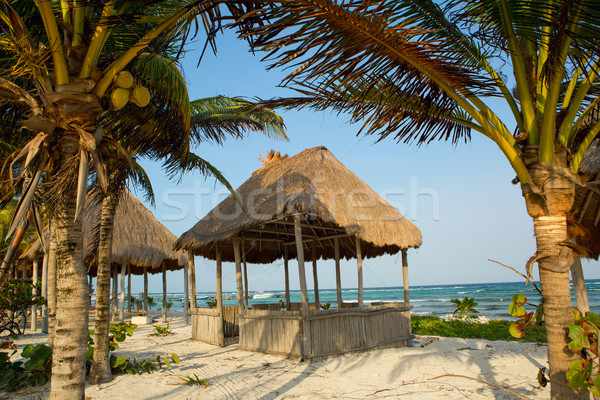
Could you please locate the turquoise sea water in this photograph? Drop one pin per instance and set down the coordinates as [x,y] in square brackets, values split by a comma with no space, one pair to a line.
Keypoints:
[493,298]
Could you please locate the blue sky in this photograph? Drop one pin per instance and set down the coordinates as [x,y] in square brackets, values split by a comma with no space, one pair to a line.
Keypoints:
[460,197]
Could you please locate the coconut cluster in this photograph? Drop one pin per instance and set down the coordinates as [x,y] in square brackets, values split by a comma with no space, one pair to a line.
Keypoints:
[126,91]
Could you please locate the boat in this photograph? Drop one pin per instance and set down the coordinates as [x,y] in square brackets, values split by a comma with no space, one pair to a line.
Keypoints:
[263,295]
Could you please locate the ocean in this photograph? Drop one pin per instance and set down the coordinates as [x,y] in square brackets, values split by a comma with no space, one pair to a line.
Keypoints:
[493,298]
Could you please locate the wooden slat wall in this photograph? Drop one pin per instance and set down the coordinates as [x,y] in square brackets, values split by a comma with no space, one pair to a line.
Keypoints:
[230,321]
[204,325]
[341,331]
[274,332]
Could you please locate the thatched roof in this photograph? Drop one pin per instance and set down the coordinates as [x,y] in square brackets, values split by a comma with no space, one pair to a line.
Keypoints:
[586,210]
[332,200]
[138,239]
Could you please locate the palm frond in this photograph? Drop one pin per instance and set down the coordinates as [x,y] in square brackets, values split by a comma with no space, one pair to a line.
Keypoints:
[214,118]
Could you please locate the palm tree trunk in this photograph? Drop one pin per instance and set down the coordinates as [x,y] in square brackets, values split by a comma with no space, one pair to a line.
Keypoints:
[51,284]
[70,336]
[100,370]
[554,265]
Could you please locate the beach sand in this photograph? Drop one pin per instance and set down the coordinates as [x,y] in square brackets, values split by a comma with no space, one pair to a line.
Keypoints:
[389,373]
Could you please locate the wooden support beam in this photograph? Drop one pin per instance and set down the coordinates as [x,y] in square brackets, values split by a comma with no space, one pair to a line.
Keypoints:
[115,295]
[308,238]
[313,250]
[122,293]
[245,274]
[186,295]
[220,335]
[287,278]
[338,278]
[360,273]
[34,276]
[238,274]
[192,275]
[129,288]
[306,344]
[405,276]
[146,289]
[581,297]
[45,293]
[164,296]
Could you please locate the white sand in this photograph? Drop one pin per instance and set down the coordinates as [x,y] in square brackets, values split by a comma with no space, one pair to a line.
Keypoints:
[389,373]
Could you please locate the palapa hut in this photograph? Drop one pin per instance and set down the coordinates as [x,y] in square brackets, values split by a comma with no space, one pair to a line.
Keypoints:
[306,207]
[141,245]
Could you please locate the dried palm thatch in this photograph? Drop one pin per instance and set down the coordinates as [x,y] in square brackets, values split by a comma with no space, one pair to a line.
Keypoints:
[331,200]
[139,239]
[584,224]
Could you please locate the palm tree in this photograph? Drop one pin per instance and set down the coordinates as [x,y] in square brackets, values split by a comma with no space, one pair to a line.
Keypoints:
[419,71]
[59,62]
[211,119]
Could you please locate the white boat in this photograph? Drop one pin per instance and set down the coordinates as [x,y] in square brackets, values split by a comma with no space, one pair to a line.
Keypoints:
[262,295]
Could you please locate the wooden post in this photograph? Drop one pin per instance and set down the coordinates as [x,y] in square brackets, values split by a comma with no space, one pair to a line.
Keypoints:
[146,289]
[360,274]
[122,294]
[238,274]
[114,295]
[245,273]
[405,276]
[306,344]
[164,302]
[220,335]
[315,276]
[34,274]
[45,293]
[192,275]
[581,297]
[128,288]
[287,278]
[186,295]
[25,276]
[338,277]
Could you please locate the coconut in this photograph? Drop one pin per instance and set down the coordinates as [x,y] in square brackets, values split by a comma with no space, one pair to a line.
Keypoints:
[140,96]
[119,97]
[124,80]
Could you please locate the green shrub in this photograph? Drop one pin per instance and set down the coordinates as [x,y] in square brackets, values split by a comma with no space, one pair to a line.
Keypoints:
[493,330]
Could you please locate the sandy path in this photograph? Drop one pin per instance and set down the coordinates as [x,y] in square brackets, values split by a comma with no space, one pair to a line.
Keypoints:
[399,373]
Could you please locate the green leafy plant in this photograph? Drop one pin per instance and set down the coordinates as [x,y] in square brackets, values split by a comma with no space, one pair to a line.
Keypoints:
[195,381]
[526,318]
[491,330]
[35,370]
[162,331]
[326,306]
[169,305]
[211,303]
[151,302]
[465,307]
[16,296]
[583,334]
[124,365]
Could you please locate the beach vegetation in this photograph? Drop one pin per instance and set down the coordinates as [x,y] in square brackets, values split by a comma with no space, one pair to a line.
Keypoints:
[34,371]
[583,335]
[326,306]
[465,307]
[151,302]
[169,305]
[422,71]
[211,303]
[193,381]
[162,330]
[491,330]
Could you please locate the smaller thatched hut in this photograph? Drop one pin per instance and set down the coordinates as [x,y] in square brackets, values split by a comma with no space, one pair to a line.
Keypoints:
[141,245]
[307,207]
